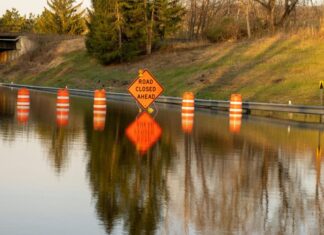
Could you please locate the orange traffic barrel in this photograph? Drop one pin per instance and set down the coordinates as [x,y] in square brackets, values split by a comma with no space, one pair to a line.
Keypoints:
[23,105]
[62,107]
[99,110]
[235,113]
[188,111]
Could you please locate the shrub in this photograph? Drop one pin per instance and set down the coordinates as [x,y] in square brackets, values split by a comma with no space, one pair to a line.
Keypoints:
[223,30]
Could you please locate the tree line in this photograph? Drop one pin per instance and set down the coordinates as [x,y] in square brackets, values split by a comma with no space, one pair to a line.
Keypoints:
[118,30]
[220,20]
[122,29]
[59,17]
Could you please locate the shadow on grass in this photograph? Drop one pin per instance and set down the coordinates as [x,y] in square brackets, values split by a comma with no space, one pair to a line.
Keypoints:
[229,77]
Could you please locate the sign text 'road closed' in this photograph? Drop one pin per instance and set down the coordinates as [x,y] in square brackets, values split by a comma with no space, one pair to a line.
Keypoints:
[145,89]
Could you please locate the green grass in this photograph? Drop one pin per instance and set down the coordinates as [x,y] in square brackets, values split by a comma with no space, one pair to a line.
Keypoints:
[273,69]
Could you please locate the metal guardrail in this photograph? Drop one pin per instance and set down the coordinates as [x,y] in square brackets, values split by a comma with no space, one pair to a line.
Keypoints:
[199,103]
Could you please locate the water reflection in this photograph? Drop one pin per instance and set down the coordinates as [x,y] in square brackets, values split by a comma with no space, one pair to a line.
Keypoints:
[127,186]
[187,112]
[23,104]
[62,107]
[262,180]
[235,122]
[99,120]
[99,110]
[144,132]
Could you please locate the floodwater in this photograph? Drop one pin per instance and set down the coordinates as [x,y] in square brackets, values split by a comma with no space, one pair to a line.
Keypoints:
[266,178]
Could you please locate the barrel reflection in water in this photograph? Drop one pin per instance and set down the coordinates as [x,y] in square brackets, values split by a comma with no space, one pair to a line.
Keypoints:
[235,113]
[99,110]
[144,132]
[62,107]
[23,105]
[188,112]
[262,181]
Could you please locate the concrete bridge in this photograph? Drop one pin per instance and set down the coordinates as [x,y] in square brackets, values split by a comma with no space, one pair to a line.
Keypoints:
[12,46]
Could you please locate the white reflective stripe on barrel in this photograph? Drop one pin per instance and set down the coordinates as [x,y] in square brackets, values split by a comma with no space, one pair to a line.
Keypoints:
[62,110]
[23,114]
[24,107]
[63,105]
[99,99]
[235,115]
[100,119]
[235,110]
[188,108]
[63,97]
[187,114]
[236,102]
[99,106]
[188,101]
[23,96]
[63,117]
[23,103]
[99,111]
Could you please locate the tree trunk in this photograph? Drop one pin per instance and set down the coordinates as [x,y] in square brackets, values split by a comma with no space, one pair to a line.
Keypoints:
[272,19]
[149,31]
[248,27]
[203,18]
[118,16]
[193,18]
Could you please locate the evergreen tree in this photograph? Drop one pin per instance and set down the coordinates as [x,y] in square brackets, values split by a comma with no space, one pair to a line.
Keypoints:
[115,30]
[30,22]
[104,37]
[134,32]
[42,24]
[12,21]
[62,17]
[122,29]
[168,17]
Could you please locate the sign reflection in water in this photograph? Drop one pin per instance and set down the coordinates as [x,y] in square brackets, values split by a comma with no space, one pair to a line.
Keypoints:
[144,132]
[263,181]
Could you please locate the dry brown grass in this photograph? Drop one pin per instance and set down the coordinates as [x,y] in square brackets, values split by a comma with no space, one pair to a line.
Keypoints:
[276,68]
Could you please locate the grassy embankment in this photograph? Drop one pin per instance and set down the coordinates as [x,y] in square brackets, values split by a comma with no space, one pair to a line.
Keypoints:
[272,69]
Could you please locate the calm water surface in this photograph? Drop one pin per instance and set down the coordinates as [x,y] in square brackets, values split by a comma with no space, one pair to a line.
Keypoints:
[267,179]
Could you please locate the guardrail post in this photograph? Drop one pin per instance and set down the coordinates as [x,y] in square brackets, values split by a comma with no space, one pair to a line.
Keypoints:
[321,86]
[290,115]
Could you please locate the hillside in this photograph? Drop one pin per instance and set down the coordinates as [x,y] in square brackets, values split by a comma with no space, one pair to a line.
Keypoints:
[272,69]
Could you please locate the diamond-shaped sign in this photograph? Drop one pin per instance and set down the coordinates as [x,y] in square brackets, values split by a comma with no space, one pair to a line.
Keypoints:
[145,89]
[144,132]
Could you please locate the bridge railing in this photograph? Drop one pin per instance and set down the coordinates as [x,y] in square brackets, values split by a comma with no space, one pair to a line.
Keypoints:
[14,30]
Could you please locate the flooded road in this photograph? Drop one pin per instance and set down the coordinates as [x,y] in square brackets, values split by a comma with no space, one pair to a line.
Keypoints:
[87,176]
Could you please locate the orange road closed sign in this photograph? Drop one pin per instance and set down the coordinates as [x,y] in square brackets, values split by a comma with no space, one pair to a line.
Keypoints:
[144,132]
[145,89]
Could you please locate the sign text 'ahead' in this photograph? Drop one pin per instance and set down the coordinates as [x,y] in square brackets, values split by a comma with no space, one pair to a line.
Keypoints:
[145,89]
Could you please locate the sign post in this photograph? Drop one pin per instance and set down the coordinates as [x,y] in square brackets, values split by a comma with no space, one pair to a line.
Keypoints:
[321,86]
[145,89]
[144,132]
